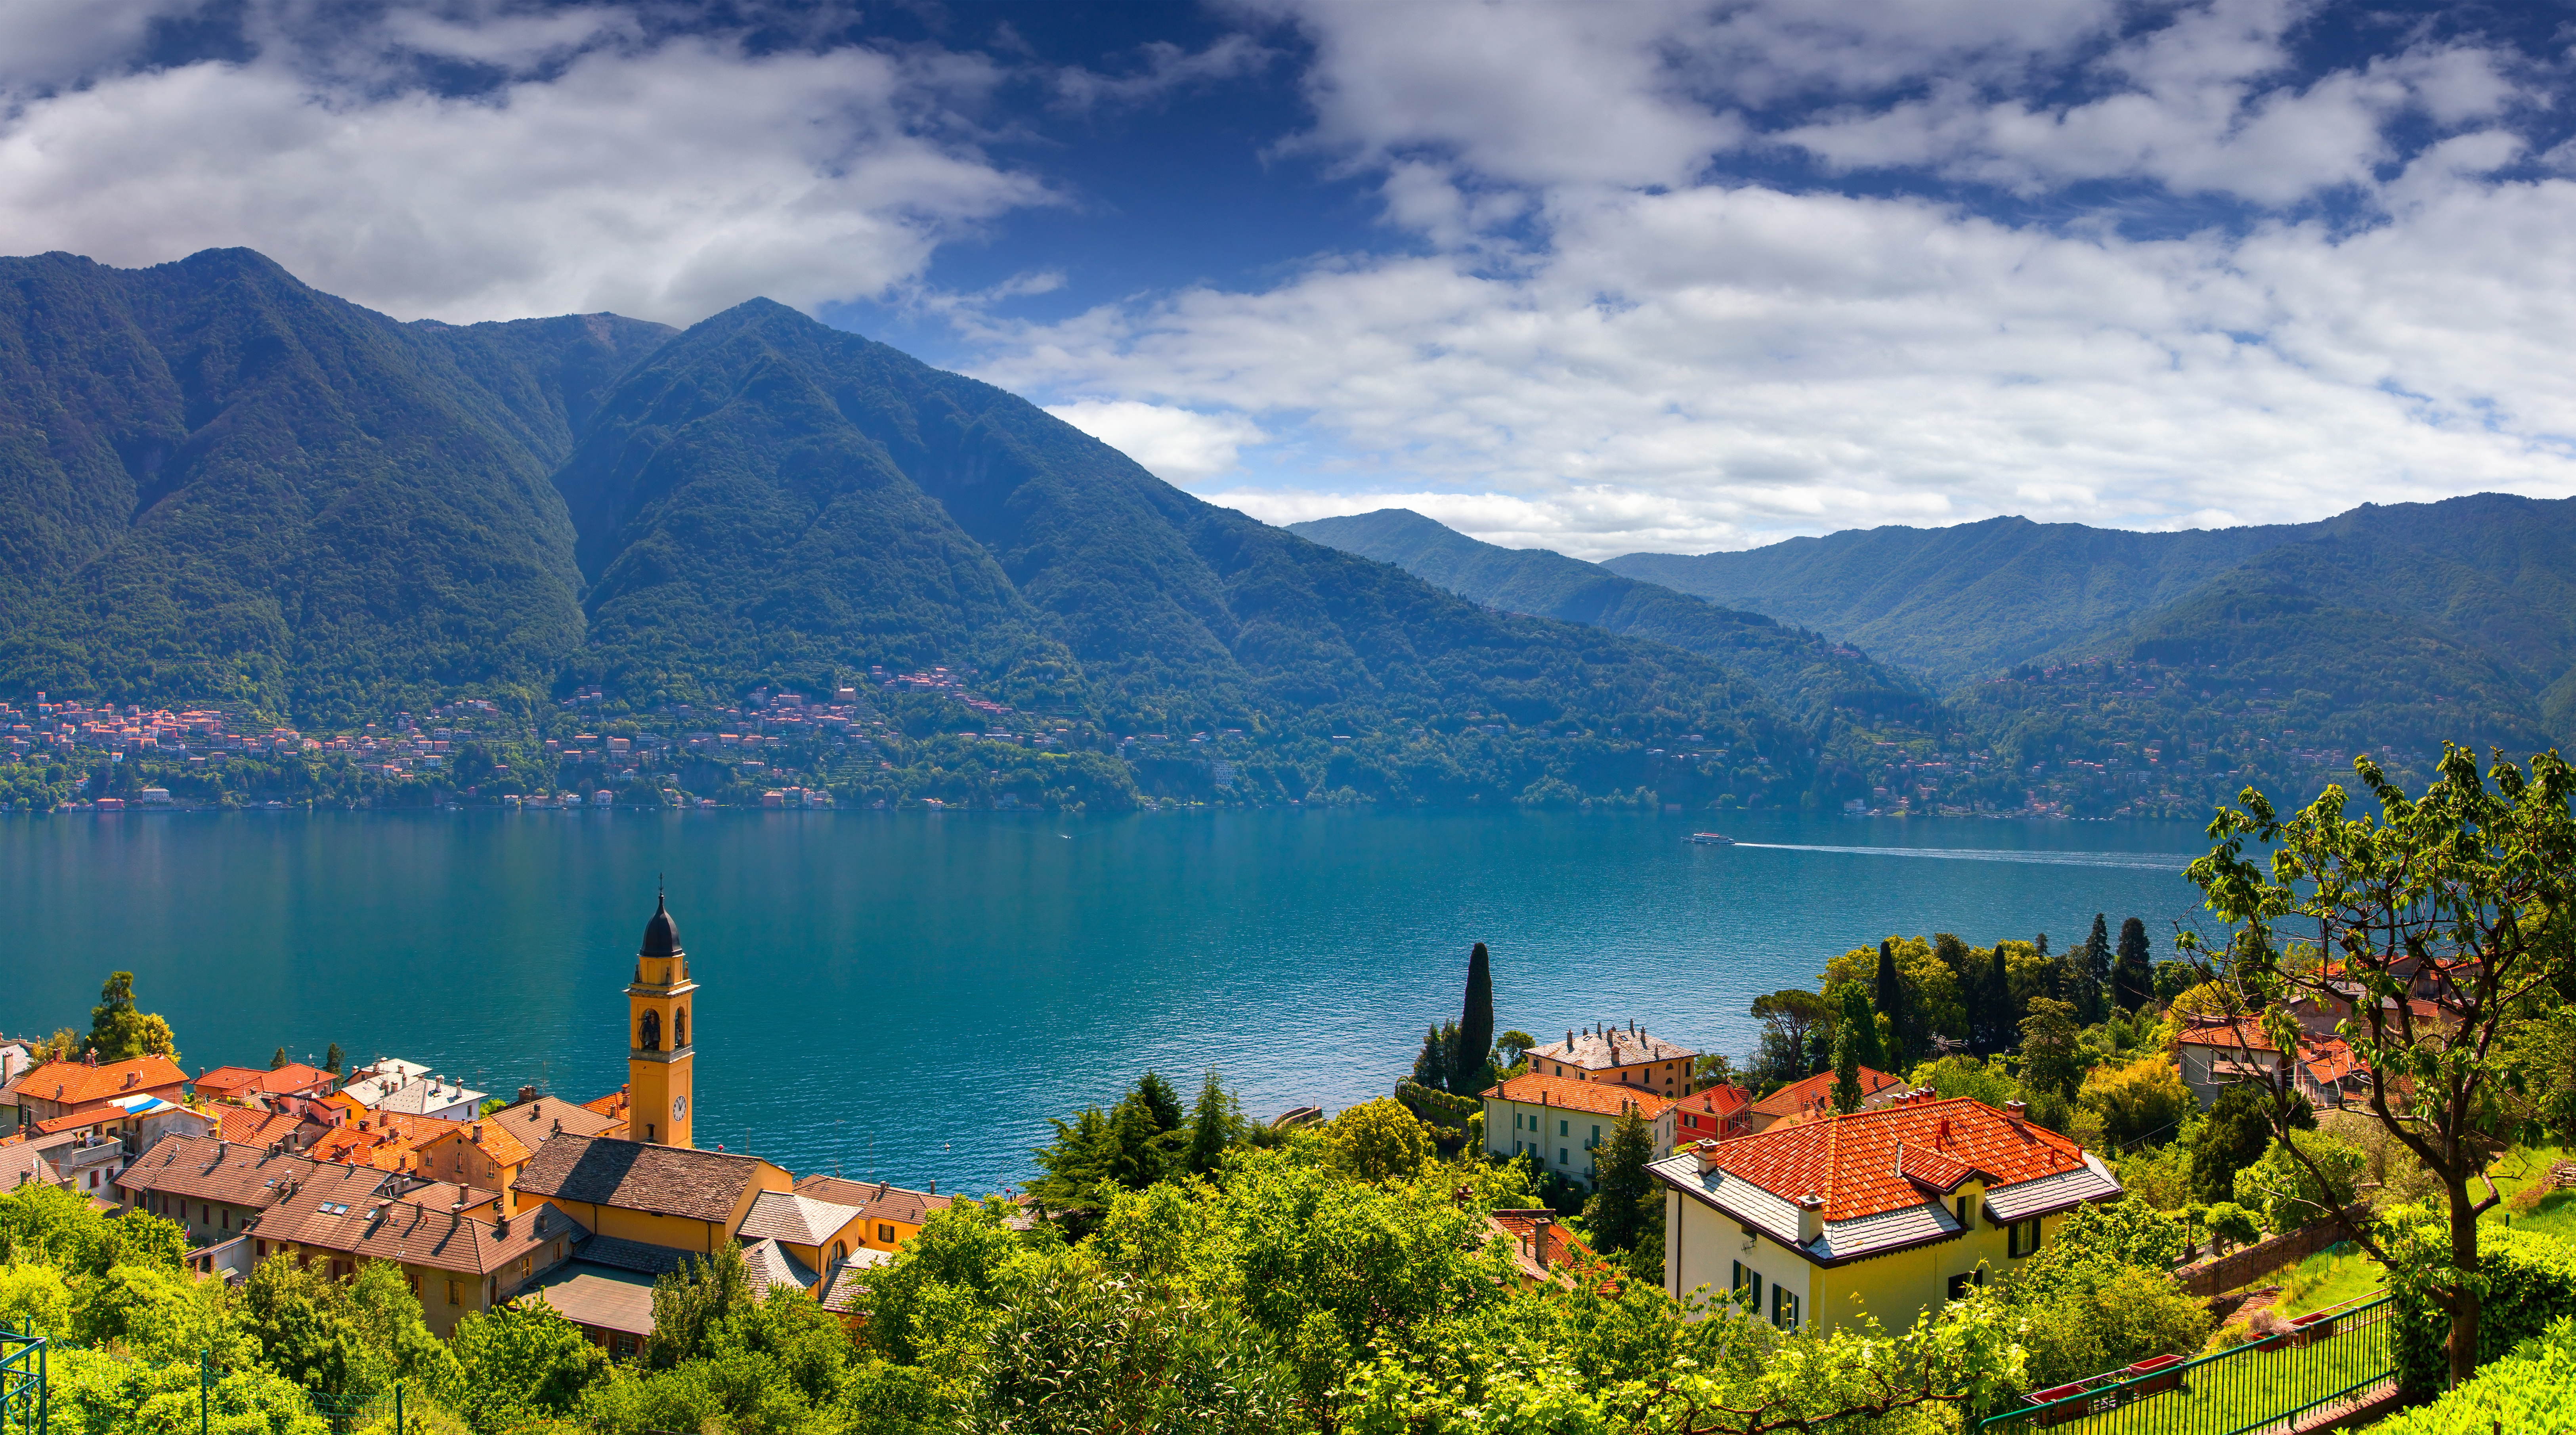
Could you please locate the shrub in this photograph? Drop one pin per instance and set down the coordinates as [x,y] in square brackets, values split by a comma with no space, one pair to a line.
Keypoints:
[2529,1283]
[2534,1388]
[1378,1141]
[2141,1101]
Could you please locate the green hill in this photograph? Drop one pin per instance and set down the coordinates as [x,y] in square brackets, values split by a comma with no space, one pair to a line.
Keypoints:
[1800,670]
[232,487]
[227,485]
[1958,603]
[767,498]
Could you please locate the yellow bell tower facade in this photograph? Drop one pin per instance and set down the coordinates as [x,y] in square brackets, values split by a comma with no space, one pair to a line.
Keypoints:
[660,1060]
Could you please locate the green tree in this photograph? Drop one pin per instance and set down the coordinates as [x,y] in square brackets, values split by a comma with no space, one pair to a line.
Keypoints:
[522,1361]
[1622,1189]
[2049,1039]
[2303,1178]
[1893,999]
[302,1324]
[117,1032]
[1076,1352]
[278,1061]
[1472,1068]
[333,1059]
[693,1304]
[1855,1018]
[1847,1092]
[1216,1122]
[1431,1066]
[1378,1141]
[2234,1135]
[1515,1046]
[1998,1016]
[2140,1102]
[2468,878]
[2133,975]
[2091,964]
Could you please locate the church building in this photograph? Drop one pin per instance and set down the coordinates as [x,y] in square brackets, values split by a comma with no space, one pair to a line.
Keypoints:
[660,1059]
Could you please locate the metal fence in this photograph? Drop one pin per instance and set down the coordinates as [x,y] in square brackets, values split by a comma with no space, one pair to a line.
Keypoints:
[22,1383]
[2341,1355]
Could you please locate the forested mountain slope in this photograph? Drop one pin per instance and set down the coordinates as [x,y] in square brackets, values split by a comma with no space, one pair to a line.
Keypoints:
[223,484]
[766,493]
[1958,603]
[1802,671]
[226,486]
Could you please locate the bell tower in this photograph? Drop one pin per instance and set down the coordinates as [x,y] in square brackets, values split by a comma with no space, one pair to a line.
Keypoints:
[660,1060]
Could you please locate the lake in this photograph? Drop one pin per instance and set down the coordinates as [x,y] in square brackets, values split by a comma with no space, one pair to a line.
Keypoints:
[912,995]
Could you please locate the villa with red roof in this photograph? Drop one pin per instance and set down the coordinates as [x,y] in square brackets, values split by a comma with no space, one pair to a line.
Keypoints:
[241,1083]
[1561,1120]
[1884,1213]
[2211,1055]
[1814,1097]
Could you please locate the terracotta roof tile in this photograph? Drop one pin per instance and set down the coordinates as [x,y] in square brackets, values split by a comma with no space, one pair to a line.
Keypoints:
[877,1199]
[247,1126]
[419,1230]
[1542,1248]
[233,1082]
[386,1140]
[534,1120]
[1802,1098]
[77,1083]
[639,1176]
[1603,1098]
[1852,1161]
[1717,1100]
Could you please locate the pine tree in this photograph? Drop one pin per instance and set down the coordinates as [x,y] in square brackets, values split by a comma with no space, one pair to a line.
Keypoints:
[1216,1122]
[1892,998]
[2096,952]
[2133,976]
[278,1062]
[1472,1068]
[332,1059]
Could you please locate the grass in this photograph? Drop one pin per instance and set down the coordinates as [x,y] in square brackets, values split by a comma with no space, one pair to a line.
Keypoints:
[2330,1277]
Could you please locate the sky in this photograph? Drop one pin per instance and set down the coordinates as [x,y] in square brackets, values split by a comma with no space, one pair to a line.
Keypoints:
[1659,275]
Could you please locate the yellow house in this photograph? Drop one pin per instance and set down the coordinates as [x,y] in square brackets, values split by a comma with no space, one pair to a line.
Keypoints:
[481,1154]
[1884,1213]
[820,1233]
[890,1214]
[1561,1122]
[667,1196]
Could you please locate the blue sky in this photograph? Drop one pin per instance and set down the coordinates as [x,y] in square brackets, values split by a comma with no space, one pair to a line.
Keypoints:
[1666,275]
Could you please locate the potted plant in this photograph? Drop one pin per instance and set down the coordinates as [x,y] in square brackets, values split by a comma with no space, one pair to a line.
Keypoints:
[2156,1376]
[2267,1331]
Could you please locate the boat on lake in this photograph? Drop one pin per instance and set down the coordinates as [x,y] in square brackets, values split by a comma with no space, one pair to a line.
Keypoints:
[1710,839]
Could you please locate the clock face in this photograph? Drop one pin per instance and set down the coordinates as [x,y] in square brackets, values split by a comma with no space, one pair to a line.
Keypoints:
[679,1106]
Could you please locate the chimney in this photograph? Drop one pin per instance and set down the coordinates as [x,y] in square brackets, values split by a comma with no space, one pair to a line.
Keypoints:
[475,1133]
[527,1093]
[1538,1240]
[1811,1219]
[1941,1141]
[2016,1110]
[934,1189]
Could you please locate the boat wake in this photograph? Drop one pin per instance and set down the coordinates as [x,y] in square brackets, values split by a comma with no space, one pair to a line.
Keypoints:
[2136,861]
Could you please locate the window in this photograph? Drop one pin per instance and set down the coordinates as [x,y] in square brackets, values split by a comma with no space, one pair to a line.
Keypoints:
[885,1233]
[1784,1308]
[1965,1282]
[840,1250]
[412,1279]
[526,1265]
[1564,1128]
[1596,1136]
[1967,1213]
[455,1291]
[205,1214]
[2023,1238]
[1748,1288]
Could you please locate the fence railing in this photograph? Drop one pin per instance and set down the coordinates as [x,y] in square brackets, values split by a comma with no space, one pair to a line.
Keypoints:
[22,1383]
[2339,1354]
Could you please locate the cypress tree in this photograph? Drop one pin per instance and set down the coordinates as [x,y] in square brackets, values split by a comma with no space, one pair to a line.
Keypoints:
[2096,952]
[1473,1070]
[332,1059]
[2133,976]
[1891,999]
[278,1062]
[1846,1069]
[1862,1023]
[2003,1018]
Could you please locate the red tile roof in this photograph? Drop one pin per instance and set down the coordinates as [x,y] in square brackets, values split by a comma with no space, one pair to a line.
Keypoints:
[1542,1248]
[244,1126]
[1854,1161]
[77,1083]
[230,1083]
[878,1199]
[1802,1098]
[1603,1098]
[387,1141]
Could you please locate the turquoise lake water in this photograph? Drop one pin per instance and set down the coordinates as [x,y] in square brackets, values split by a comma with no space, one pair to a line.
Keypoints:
[912,995]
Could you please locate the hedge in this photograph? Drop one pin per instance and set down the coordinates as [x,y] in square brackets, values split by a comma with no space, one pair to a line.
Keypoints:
[2532,1389]
[1436,1108]
[2530,1283]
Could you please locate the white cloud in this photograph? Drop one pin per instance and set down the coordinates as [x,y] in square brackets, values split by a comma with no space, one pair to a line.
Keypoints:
[662,179]
[1173,444]
[50,43]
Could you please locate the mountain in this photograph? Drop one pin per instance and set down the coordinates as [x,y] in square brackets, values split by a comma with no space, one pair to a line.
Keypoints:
[1800,670]
[1958,603]
[226,485]
[766,495]
[232,487]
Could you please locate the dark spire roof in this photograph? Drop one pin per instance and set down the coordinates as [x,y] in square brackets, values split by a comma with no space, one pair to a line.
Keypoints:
[661,937]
